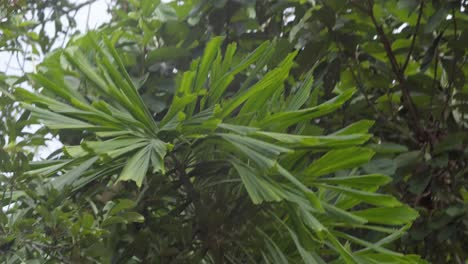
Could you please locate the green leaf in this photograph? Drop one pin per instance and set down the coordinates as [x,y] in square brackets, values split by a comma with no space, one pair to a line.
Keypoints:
[220,85]
[205,63]
[311,221]
[137,166]
[77,58]
[435,20]
[121,205]
[270,81]
[270,84]
[158,152]
[251,146]
[64,91]
[104,147]
[389,216]
[165,13]
[72,175]
[148,6]
[337,160]
[343,215]
[241,130]
[380,258]
[178,105]
[306,256]
[368,197]
[272,248]
[203,67]
[167,53]
[360,181]
[368,245]
[410,5]
[282,120]
[360,127]
[302,94]
[113,220]
[57,121]
[133,217]
[298,141]
[129,88]
[388,148]
[87,221]
[45,168]
[382,166]
[344,252]
[90,114]
[259,188]
[311,196]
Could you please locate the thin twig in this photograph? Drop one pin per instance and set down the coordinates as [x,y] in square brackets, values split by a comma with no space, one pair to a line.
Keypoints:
[77,7]
[453,68]
[193,195]
[434,80]
[413,41]
[7,67]
[388,48]
[87,18]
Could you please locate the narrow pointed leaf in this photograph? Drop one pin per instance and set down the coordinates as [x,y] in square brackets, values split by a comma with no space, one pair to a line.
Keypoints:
[72,175]
[337,160]
[281,120]
[360,181]
[389,216]
[368,197]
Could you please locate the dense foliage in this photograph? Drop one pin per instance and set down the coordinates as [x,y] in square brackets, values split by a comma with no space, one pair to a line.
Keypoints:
[238,132]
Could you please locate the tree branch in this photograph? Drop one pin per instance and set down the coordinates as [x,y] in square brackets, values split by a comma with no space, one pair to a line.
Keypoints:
[407,101]
[453,67]
[192,194]
[413,41]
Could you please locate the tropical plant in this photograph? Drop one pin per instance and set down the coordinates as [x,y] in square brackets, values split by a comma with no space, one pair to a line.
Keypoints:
[227,173]
[406,58]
